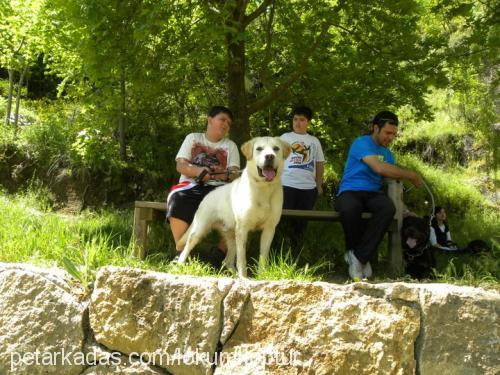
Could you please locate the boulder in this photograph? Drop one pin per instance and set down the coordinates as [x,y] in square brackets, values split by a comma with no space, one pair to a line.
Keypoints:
[175,321]
[291,327]
[459,332]
[40,322]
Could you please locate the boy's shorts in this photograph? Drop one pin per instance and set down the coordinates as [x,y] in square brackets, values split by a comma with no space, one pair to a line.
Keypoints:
[184,199]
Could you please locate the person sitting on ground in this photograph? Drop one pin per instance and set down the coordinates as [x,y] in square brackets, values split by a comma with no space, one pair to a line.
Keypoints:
[440,236]
[303,173]
[205,161]
[368,161]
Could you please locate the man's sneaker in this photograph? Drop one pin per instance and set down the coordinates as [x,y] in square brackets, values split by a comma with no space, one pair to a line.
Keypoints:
[367,270]
[355,266]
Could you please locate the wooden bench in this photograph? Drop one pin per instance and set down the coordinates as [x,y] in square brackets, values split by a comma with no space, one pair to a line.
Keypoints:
[147,212]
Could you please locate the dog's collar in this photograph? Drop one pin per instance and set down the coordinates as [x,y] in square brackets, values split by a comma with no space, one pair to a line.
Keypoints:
[417,252]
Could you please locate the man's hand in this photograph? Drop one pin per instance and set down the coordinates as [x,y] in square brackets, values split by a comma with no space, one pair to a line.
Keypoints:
[392,171]
[415,179]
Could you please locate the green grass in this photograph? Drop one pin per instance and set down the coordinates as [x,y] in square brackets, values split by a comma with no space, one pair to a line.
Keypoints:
[30,232]
[282,266]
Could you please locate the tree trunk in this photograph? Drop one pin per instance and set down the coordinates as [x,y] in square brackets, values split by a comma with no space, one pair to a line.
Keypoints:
[236,66]
[9,97]
[240,130]
[121,119]
[18,97]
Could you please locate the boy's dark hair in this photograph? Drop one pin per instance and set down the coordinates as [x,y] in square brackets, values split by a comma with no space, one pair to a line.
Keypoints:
[216,109]
[303,111]
[385,117]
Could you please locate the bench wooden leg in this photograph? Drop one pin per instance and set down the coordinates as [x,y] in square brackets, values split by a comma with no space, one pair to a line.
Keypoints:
[142,218]
[395,192]
[395,252]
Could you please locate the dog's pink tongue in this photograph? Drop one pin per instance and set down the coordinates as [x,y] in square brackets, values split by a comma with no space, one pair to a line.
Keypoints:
[411,242]
[269,173]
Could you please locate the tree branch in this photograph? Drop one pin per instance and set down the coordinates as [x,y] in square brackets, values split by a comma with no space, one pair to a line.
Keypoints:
[264,72]
[281,88]
[256,13]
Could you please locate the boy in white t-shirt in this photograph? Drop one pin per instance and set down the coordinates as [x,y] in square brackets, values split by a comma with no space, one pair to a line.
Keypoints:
[205,161]
[303,174]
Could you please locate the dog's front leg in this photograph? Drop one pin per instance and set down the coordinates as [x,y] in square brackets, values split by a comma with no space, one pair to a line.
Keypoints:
[266,238]
[231,251]
[241,252]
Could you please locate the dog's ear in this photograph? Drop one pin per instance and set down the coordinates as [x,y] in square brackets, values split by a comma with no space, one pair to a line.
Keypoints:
[247,149]
[287,149]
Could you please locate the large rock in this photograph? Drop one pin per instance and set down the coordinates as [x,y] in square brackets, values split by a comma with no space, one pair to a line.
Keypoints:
[302,328]
[40,321]
[264,327]
[162,315]
[459,331]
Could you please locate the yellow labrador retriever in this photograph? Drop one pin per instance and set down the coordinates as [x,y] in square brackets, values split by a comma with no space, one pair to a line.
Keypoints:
[251,202]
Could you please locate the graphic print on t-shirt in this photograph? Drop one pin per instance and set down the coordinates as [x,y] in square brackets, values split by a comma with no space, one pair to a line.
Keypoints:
[301,155]
[204,156]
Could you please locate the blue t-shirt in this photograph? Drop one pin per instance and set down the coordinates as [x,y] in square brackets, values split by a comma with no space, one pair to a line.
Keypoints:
[358,176]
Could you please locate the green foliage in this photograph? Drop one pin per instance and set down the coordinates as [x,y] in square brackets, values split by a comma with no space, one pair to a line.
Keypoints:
[93,150]
[49,135]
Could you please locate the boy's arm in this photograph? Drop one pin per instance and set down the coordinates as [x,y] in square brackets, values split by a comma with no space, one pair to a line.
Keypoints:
[185,167]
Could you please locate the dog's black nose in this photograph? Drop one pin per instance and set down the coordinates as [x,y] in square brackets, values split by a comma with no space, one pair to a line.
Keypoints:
[269,157]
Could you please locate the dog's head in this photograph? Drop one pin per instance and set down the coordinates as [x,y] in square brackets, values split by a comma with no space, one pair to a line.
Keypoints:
[415,232]
[265,157]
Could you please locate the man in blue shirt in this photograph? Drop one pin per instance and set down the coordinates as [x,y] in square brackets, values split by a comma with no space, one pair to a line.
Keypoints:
[368,161]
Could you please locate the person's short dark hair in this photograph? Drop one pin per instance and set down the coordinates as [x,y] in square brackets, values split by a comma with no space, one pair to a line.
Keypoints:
[437,209]
[385,117]
[216,109]
[303,111]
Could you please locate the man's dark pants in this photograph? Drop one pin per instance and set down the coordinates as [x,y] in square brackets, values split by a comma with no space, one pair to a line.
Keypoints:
[363,237]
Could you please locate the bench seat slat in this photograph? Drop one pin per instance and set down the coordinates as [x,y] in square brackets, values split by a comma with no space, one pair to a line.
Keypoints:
[301,214]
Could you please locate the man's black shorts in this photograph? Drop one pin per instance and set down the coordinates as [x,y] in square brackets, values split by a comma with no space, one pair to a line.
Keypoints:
[183,201]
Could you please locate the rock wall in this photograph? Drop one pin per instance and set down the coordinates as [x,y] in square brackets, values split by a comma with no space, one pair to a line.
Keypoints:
[139,322]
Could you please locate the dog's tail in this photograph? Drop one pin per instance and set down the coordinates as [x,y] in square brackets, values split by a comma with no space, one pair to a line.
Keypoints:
[183,240]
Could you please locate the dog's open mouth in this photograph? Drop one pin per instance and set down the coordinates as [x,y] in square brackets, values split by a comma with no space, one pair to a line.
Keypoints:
[268,172]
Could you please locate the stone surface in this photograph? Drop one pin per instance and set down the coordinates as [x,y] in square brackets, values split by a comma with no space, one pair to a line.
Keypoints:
[106,362]
[124,369]
[39,316]
[165,315]
[302,328]
[459,331]
[280,327]
[232,309]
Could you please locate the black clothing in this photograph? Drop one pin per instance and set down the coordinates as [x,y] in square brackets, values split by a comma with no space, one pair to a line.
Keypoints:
[363,237]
